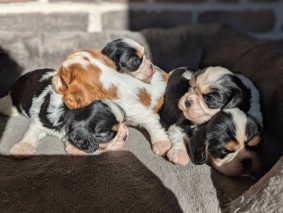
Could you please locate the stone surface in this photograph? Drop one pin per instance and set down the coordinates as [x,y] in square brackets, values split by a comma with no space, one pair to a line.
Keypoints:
[116,20]
[249,21]
[139,19]
[39,22]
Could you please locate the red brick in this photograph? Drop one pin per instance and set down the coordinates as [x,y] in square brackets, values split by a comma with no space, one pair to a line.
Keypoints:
[249,21]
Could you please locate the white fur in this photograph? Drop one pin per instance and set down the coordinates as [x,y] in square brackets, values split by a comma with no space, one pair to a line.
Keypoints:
[255,109]
[133,44]
[6,106]
[188,74]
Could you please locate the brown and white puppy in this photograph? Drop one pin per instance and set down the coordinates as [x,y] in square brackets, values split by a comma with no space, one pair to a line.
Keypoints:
[192,98]
[89,75]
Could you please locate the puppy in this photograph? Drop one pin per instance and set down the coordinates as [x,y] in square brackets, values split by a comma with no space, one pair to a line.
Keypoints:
[229,141]
[192,98]
[117,75]
[88,128]
[129,57]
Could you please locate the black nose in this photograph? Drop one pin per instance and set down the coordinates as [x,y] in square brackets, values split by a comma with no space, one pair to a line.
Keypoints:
[188,103]
[247,164]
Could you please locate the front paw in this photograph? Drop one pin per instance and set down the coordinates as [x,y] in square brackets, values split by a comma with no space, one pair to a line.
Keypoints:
[71,149]
[178,156]
[22,150]
[161,147]
[119,141]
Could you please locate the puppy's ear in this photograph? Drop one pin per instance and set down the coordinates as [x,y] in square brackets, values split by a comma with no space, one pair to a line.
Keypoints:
[114,52]
[82,139]
[74,82]
[240,96]
[197,146]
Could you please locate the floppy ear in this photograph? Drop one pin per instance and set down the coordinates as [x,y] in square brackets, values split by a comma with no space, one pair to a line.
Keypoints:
[75,87]
[77,95]
[82,139]
[197,146]
[240,96]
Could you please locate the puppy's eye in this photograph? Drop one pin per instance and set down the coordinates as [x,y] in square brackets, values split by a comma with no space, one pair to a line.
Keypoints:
[208,98]
[135,61]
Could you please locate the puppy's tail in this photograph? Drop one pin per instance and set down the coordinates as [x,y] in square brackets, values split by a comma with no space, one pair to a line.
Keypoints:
[6,106]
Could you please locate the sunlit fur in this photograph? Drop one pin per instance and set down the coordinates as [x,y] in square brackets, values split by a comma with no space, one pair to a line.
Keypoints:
[186,85]
[85,77]
[222,87]
[86,128]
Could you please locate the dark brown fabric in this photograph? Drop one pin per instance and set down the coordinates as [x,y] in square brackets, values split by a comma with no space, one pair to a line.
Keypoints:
[104,183]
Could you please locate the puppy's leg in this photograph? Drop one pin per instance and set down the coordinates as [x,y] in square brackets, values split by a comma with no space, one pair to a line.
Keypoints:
[6,106]
[159,139]
[178,152]
[118,141]
[27,146]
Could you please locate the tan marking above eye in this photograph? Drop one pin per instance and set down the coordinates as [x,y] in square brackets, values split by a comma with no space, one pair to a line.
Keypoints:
[232,146]
[116,127]
[254,141]
[140,54]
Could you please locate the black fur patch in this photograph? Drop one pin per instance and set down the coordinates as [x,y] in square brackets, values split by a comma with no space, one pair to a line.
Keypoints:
[27,87]
[177,86]
[123,55]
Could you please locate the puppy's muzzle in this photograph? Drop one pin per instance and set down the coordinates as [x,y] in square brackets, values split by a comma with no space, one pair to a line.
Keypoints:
[188,103]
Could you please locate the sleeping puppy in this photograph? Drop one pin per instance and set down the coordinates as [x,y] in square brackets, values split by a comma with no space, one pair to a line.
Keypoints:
[121,74]
[88,128]
[192,98]
[129,57]
[229,141]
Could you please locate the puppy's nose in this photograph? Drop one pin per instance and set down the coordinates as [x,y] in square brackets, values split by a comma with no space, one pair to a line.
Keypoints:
[188,103]
[247,164]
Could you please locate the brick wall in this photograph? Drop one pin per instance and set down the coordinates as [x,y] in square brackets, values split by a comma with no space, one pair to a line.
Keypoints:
[262,18]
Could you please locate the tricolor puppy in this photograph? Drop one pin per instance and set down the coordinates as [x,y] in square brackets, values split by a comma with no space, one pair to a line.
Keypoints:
[129,57]
[229,141]
[192,98]
[98,125]
[137,86]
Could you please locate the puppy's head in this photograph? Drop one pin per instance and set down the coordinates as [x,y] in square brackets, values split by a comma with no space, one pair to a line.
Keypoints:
[95,126]
[229,141]
[129,57]
[210,90]
[77,79]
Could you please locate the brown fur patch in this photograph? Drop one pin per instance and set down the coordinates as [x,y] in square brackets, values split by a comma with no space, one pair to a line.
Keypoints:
[144,97]
[159,104]
[82,86]
[254,141]
[232,146]
[116,127]
[165,76]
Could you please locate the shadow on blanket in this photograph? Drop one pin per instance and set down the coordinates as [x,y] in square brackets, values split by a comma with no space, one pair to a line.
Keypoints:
[10,71]
[103,183]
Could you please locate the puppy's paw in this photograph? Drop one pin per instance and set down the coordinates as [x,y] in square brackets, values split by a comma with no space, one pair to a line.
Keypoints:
[119,141]
[22,150]
[178,156]
[71,149]
[161,147]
